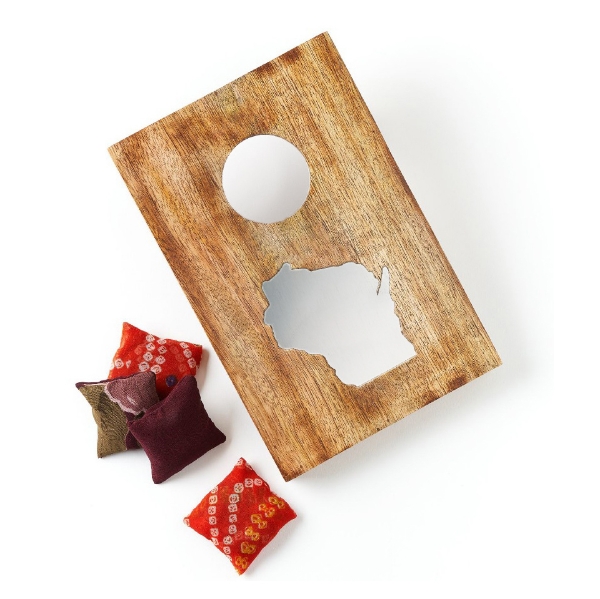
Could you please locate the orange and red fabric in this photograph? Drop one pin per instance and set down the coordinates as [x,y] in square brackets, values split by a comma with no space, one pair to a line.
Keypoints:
[168,359]
[241,515]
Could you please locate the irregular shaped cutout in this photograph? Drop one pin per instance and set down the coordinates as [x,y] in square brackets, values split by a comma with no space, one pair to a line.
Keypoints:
[266,179]
[342,313]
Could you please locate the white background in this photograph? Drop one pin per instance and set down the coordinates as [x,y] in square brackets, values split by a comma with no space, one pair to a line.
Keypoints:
[490,109]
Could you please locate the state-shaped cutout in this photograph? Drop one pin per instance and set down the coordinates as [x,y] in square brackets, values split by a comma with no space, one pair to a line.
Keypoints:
[342,313]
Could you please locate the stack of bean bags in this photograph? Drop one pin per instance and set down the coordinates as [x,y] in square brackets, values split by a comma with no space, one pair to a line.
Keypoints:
[151,400]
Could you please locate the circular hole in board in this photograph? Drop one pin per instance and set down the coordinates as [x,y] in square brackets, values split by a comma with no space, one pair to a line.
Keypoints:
[266,179]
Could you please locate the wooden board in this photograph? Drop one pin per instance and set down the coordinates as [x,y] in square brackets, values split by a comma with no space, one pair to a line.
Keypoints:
[359,209]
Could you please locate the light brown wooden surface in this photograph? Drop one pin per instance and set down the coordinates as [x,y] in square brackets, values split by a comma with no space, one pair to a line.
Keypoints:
[359,209]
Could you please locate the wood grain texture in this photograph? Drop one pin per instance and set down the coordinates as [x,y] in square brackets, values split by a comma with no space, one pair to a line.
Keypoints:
[359,209]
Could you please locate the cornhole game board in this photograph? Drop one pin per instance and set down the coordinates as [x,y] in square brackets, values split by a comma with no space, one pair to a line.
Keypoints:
[359,210]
